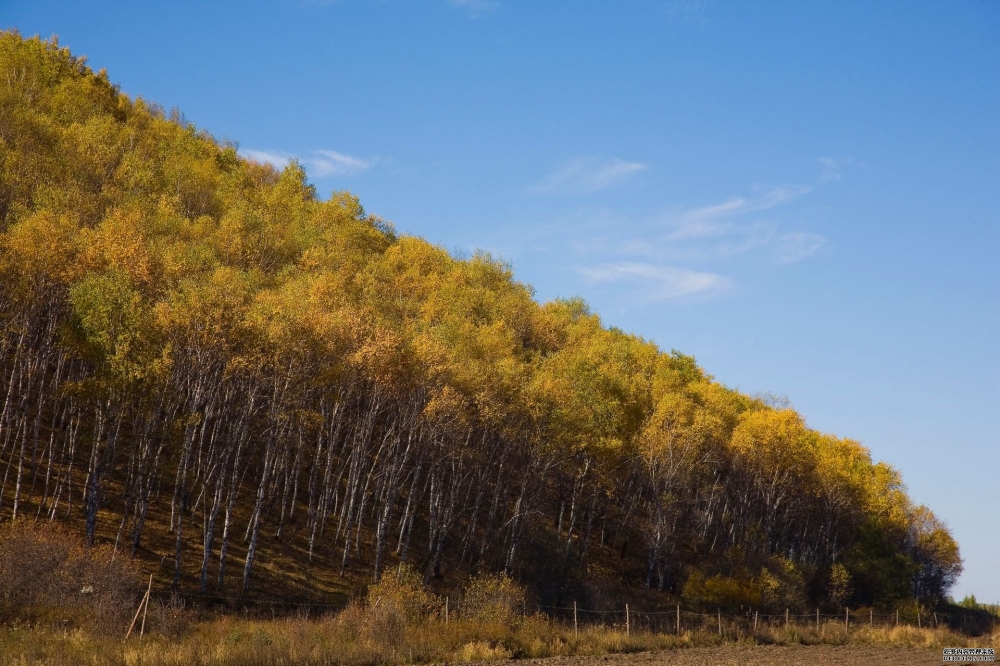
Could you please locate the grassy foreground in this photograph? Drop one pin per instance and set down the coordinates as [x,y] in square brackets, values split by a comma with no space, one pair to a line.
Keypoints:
[63,604]
[360,635]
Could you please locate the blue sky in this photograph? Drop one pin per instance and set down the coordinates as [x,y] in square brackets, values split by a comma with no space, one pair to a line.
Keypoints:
[804,196]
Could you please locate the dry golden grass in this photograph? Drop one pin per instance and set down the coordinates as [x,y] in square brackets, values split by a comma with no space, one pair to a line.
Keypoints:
[48,620]
[360,635]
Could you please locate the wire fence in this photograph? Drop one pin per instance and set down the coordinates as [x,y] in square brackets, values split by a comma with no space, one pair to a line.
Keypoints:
[672,620]
[751,621]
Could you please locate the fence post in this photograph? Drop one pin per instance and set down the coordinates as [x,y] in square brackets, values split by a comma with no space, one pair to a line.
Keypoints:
[817,619]
[935,620]
[755,622]
[446,610]
[847,618]
[145,607]
[576,632]
[918,620]
[871,617]
[145,599]
[897,617]
[678,619]
[720,621]
[786,618]
[626,621]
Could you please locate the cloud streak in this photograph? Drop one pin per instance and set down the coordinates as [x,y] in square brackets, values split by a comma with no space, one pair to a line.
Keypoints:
[584,175]
[319,163]
[690,11]
[278,160]
[831,169]
[717,219]
[475,7]
[659,283]
[332,163]
[716,230]
[647,258]
[798,245]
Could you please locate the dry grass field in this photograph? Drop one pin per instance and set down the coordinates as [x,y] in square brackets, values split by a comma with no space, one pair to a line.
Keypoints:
[363,636]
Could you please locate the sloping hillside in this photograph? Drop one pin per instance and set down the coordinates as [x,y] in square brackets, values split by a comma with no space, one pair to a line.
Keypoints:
[256,390]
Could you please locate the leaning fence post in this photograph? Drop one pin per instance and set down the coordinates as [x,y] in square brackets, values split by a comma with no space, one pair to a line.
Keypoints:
[145,599]
[145,607]
[575,630]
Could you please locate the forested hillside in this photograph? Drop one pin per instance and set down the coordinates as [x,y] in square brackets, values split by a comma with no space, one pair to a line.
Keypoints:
[200,346]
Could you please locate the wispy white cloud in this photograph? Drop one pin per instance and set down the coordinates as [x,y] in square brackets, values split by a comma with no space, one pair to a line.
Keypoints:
[690,11]
[735,206]
[683,253]
[832,168]
[798,245]
[332,163]
[659,283]
[713,231]
[277,159]
[583,175]
[475,7]
[319,163]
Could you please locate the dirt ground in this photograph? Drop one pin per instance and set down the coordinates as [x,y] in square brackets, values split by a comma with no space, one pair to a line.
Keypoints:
[798,655]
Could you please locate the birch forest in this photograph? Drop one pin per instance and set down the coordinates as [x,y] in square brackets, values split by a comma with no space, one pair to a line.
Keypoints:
[202,351]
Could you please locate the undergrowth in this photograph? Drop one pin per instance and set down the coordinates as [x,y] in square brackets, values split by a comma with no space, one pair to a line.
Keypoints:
[61,603]
[355,637]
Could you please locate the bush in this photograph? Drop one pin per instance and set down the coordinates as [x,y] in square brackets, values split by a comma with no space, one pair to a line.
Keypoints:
[403,592]
[392,605]
[725,591]
[493,598]
[782,585]
[46,575]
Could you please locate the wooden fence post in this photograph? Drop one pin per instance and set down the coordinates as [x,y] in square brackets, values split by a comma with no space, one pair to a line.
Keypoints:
[720,621]
[871,617]
[847,618]
[446,610]
[678,619]
[786,618]
[626,621]
[897,617]
[755,613]
[576,632]
[145,607]
[145,600]
[817,619]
